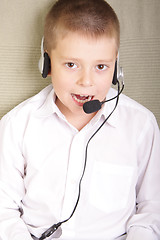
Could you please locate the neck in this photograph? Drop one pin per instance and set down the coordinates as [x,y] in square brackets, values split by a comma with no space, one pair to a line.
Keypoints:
[79,121]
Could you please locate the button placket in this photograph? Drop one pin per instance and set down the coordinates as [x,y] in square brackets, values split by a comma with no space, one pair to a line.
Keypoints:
[75,168]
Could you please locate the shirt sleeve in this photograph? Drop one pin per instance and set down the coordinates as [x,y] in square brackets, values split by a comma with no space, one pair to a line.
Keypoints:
[145,223]
[11,181]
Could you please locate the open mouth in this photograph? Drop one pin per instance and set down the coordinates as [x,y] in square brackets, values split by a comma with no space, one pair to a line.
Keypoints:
[82,98]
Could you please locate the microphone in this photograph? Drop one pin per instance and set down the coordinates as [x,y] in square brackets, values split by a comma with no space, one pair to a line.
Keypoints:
[92,106]
[95,105]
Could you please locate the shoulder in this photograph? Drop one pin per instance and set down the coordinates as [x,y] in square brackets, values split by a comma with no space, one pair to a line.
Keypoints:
[27,107]
[135,109]
[131,114]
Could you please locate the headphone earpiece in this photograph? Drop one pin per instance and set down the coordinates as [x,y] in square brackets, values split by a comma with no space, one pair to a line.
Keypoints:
[114,81]
[44,64]
[118,72]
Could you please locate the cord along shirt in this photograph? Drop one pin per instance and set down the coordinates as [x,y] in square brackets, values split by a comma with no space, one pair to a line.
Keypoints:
[42,159]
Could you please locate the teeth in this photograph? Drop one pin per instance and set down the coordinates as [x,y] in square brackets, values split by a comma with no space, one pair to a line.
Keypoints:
[88,98]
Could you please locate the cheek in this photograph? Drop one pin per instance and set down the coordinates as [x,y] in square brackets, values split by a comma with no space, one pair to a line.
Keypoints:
[103,88]
[105,85]
[61,85]
[56,77]
[56,82]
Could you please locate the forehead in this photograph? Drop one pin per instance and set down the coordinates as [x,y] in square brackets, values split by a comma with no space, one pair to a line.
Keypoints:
[83,45]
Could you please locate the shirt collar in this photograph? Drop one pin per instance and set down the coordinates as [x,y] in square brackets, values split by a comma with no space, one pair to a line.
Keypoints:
[49,107]
[108,107]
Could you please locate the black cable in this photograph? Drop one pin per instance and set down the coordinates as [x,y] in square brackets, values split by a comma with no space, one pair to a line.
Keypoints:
[116,95]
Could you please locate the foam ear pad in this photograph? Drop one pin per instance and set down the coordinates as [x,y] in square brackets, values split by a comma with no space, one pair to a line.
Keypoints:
[46,65]
[114,81]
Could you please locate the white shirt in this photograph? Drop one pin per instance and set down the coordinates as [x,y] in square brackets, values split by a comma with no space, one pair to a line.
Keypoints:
[41,163]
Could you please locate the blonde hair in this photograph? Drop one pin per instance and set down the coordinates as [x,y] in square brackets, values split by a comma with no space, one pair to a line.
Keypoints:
[89,17]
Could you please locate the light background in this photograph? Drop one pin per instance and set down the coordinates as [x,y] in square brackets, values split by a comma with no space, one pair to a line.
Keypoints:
[21,30]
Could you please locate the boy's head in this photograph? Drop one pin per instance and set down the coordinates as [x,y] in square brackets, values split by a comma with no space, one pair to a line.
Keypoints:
[81,38]
[92,18]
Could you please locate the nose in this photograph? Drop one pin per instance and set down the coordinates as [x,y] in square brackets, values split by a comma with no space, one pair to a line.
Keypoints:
[85,79]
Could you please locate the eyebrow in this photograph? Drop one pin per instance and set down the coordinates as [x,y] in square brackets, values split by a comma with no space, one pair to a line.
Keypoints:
[69,58]
[105,60]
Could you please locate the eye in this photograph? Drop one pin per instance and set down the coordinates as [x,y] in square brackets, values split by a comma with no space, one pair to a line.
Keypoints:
[101,67]
[71,65]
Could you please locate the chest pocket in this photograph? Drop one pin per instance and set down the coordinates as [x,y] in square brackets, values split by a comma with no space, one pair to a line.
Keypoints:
[110,186]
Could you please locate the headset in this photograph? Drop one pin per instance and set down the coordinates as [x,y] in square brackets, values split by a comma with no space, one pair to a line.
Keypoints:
[88,107]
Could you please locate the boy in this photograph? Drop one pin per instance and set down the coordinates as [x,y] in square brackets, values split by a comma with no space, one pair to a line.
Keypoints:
[91,176]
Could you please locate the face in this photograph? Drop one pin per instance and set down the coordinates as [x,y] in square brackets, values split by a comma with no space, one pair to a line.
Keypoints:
[82,69]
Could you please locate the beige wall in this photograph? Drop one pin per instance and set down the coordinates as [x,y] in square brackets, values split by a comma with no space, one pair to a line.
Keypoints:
[21,24]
